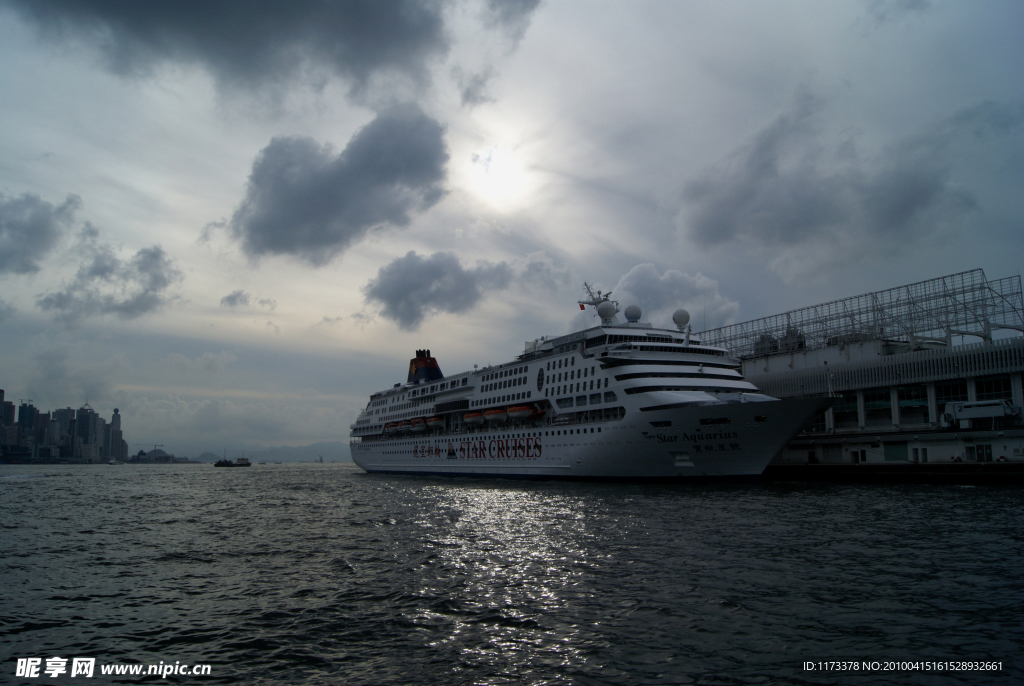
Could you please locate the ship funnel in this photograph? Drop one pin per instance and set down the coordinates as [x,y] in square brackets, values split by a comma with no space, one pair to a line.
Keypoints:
[423,368]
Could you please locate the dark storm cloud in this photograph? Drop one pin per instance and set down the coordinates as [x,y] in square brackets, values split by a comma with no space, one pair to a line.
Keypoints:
[106,284]
[882,11]
[513,16]
[305,200]
[235,299]
[781,189]
[543,274]
[243,299]
[6,310]
[764,193]
[413,286]
[474,87]
[29,229]
[252,43]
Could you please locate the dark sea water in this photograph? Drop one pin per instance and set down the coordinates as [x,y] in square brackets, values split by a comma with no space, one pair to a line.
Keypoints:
[310,574]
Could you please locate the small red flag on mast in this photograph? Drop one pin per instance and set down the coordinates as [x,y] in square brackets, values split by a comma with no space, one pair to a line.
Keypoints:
[582,307]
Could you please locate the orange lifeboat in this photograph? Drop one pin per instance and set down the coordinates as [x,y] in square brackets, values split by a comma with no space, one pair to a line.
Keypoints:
[496,415]
[403,426]
[390,428]
[473,418]
[519,412]
[435,423]
[417,425]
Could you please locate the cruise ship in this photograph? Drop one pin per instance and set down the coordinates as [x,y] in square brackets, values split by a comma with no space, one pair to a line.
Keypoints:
[619,401]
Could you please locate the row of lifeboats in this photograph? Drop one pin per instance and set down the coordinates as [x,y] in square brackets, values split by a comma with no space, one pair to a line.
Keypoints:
[417,425]
[516,413]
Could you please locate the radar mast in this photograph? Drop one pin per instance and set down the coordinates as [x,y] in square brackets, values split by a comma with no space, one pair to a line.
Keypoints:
[606,308]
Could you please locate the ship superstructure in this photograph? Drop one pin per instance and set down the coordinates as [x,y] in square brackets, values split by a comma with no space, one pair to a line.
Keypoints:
[620,400]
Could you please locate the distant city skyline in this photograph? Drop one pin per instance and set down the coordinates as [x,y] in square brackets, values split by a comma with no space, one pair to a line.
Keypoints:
[62,434]
[233,226]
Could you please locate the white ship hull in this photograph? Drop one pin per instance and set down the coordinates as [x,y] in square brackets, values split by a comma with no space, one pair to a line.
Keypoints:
[738,446]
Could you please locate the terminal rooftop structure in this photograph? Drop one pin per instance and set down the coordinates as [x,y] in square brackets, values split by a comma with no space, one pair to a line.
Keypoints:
[923,373]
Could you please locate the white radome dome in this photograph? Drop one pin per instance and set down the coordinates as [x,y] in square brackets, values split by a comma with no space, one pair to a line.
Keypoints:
[606,310]
[633,313]
[681,318]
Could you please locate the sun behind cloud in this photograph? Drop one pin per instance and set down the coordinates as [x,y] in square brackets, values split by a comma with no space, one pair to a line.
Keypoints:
[498,176]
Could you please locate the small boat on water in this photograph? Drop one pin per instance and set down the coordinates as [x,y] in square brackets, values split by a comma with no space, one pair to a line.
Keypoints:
[239,462]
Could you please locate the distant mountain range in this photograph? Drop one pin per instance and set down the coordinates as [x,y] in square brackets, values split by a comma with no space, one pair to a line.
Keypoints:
[334,451]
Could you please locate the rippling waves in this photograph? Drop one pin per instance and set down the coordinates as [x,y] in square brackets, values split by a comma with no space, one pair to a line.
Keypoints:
[306,574]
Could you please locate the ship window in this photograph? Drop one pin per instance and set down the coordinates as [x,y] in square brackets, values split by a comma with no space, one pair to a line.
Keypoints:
[465,381]
[609,396]
[595,398]
[573,362]
[581,400]
[529,393]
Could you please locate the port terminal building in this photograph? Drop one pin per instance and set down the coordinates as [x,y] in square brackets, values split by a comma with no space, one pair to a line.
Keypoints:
[926,373]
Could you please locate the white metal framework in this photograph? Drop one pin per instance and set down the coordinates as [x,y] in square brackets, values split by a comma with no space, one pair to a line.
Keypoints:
[934,310]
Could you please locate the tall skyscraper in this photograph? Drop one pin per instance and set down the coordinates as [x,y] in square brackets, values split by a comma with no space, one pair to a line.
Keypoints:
[26,421]
[85,423]
[117,448]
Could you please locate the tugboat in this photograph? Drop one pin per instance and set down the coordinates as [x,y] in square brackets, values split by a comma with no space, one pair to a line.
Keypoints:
[239,462]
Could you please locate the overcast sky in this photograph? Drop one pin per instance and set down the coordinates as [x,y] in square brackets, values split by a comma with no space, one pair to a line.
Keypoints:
[235,220]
